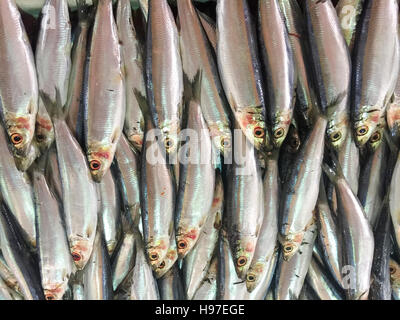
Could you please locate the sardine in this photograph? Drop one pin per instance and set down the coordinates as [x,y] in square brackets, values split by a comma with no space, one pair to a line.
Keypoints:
[210,28]
[171,286]
[24,162]
[170,258]
[18,79]
[105,110]
[394,200]
[208,287]
[52,172]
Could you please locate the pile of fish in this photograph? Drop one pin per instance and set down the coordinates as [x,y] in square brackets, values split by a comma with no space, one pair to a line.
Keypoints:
[236,149]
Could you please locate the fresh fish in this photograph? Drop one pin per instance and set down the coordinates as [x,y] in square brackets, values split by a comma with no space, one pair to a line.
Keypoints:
[164,74]
[306,102]
[300,192]
[197,180]
[372,88]
[357,237]
[240,70]
[245,203]
[79,196]
[380,286]
[349,13]
[134,74]
[267,245]
[18,257]
[56,264]
[171,286]
[197,55]
[170,258]
[52,172]
[76,80]
[53,63]
[394,269]
[16,191]
[127,163]
[105,110]
[157,194]
[18,80]
[24,162]
[290,274]
[394,200]
[197,262]
[320,282]
[329,235]
[97,282]
[4,291]
[349,159]
[377,137]
[279,69]
[288,152]
[393,114]
[210,28]
[331,67]
[208,287]
[372,182]
[109,210]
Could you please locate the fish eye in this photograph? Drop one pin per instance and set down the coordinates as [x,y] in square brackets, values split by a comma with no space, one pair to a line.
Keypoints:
[16,139]
[76,256]
[294,143]
[392,270]
[279,133]
[50,297]
[241,261]
[182,244]
[258,132]
[335,136]
[153,256]
[95,165]
[288,248]
[168,143]
[40,137]
[251,277]
[375,137]
[217,224]
[162,265]
[225,143]
[362,131]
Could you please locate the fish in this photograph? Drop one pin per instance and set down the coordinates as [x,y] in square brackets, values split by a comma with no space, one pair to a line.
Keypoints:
[53,63]
[300,193]
[128,176]
[349,13]
[208,287]
[18,256]
[244,203]
[331,68]
[52,172]
[109,210]
[170,258]
[157,197]
[210,28]
[372,88]
[394,191]
[56,265]
[79,51]
[23,163]
[171,286]
[79,196]
[134,73]
[97,281]
[18,80]
[197,262]
[197,55]
[267,245]
[144,7]
[394,269]
[240,70]
[306,99]
[349,159]
[164,76]
[16,191]
[291,274]
[7,275]
[279,66]
[357,237]
[4,291]
[196,177]
[393,114]
[106,96]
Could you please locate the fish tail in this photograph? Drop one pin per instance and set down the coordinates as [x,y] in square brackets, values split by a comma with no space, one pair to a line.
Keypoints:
[55,109]
[192,88]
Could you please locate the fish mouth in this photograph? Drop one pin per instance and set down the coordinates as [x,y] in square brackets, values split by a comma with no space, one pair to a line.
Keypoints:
[136,140]
[80,253]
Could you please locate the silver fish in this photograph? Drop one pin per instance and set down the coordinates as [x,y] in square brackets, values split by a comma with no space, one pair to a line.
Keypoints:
[134,74]
[279,69]
[170,258]
[208,287]
[394,192]
[170,285]
[105,110]
[52,172]
[18,80]
[56,263]
[210,28]
[24,162]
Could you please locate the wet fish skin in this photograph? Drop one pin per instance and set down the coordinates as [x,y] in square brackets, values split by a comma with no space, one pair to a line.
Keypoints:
[208,287]
[18,79]
[105,109]
[279,69]
[170,258]
[240,70]
[394,200]
[163,61]
[349,159]
[171,286]
[331,67]
[52,172]
[300,192]
[134,74]
[371,87]
[23,163]
[210,28]
[56,263]
[267,245]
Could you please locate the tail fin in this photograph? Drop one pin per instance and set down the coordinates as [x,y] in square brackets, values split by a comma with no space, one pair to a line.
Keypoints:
[192,89]
[54,108]
[334,172]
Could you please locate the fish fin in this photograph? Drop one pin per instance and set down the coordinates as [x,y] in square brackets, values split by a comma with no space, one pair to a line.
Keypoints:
[54,108]
[142,101]
[330,172]
[192,89]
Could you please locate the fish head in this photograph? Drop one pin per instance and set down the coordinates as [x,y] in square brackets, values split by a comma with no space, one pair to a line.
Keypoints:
[20,130]
[290,246]
[44,132]
[24,162]
[254,275]
[157,251]
[376,139]
[223,141]
[81,250]
[336,134]
[243,254]
[167,263]
[365,126]
[136,137]
[55,291]
[394,270]
[253,127]
[280,128]
[100,158]
[170,137]
[186,238]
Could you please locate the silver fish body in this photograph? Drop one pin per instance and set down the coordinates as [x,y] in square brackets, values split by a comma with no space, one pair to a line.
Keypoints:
[210,29]
[208,287]
[170,285]
[169,260]
[52,172]
[394,192]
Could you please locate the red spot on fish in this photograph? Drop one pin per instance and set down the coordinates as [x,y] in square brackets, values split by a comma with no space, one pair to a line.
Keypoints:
[44,123]
[216,201]
[22,123]
[163,193]
[101,154]
[249,247]
[375,117]
[294,35]
[192,234]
